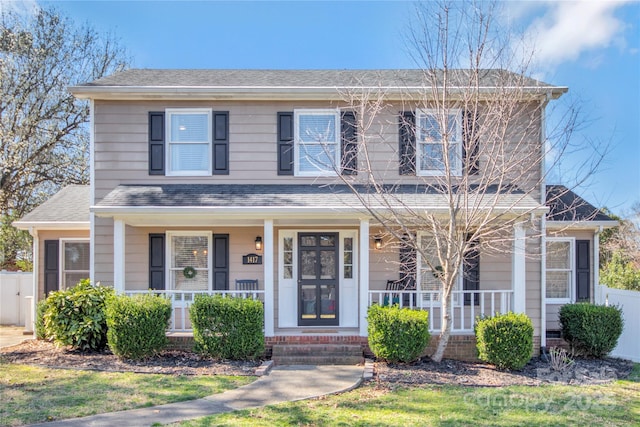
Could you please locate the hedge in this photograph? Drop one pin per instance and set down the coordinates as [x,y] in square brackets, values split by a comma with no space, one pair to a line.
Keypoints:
[505,340]
[397,334]
[137,325]
[591,329]
[228,328]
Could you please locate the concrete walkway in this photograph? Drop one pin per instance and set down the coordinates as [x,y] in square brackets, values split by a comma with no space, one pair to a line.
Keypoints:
[12,335]
[282,384]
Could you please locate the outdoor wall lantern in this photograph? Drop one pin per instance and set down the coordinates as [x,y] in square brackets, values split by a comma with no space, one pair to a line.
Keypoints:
[258,243]
[377,243]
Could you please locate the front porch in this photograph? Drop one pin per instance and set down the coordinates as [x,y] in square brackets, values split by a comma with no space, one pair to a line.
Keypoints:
[466,307]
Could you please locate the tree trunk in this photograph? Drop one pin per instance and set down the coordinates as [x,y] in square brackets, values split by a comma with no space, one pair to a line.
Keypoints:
[446,327]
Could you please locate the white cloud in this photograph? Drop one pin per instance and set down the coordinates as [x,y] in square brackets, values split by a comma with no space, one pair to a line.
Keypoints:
[568,29]
[21,7]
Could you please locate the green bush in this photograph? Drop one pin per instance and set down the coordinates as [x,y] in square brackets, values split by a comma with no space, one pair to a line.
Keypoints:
[228,328]
[41,308]
[505,340]
[397,335]
[76,316]
[620,273]
[137,326]
[591,329]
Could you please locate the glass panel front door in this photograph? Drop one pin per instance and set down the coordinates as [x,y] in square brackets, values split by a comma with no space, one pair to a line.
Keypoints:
[318,279]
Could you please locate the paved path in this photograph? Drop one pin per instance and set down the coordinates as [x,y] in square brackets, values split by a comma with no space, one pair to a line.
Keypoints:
[12,335]
[284,383]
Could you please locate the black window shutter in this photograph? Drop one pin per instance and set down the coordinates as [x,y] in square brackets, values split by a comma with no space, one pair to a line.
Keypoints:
[156,261]
[51,266]
[220,143]
[583,271]
[220,262]
[471,274]
[408,265]
[407,143]
[470,144]
[349,158]
[156,143]
[285,143]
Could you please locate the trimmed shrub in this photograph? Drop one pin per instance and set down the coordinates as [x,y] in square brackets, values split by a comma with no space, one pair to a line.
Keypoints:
[397,334]
[591,329]
[137,326]
[228,328]
[505,340]
[76,316]
[41,309]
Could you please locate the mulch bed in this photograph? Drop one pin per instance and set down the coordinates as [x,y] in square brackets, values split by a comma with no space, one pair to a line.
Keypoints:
[425,371]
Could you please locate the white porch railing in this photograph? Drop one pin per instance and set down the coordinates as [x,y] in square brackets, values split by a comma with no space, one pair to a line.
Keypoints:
[182,300]
[463,310]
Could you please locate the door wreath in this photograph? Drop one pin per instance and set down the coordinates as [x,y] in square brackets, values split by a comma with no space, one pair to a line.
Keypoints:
[189,272]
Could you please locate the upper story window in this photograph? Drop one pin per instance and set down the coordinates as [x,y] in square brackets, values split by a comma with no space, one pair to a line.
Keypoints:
[317,142]
[189,138]
[434,138]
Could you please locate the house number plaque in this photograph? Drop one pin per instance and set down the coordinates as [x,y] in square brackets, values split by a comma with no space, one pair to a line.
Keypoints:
[252,259]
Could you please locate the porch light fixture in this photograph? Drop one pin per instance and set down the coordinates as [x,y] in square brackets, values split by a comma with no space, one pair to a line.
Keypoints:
[378,243]
[258,243]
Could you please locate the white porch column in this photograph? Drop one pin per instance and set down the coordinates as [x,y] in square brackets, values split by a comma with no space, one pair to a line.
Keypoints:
[118,255]
[364,275]
[269,293]
[518,269]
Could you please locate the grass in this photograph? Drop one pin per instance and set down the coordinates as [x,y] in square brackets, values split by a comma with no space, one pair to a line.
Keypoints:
[616,404]
[31,394]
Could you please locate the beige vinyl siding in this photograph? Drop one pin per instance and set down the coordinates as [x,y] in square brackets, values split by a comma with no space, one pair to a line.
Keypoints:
[53,235]
[121,144]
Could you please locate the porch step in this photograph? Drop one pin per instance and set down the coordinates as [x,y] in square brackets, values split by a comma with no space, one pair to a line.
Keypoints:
[317,354]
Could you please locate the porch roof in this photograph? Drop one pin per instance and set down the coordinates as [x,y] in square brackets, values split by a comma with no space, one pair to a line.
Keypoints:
[295,199]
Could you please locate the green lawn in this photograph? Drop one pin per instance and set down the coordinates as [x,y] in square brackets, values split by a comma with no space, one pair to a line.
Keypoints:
[32,394]
[616,404]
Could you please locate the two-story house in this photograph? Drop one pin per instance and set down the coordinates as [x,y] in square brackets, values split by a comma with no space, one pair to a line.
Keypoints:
[230,181]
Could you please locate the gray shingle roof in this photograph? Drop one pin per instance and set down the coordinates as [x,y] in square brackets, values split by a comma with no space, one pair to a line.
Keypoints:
[303,78]
[71,204]
[284,196]
[565,205]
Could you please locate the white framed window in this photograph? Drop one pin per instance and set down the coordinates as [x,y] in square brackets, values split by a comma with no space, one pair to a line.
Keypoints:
[189,260]
[560,275]
[189,137]
[74,262]
[432,140]
[316,142]
[429,269]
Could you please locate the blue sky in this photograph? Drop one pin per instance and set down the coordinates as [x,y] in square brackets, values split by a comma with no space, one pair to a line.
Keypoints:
[591,47]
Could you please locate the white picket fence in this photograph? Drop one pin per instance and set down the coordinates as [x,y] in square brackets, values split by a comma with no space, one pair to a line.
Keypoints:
[628,345]
[16,297]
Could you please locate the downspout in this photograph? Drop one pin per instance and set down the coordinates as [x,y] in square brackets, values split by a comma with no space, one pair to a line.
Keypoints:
[543,227]
[92,192]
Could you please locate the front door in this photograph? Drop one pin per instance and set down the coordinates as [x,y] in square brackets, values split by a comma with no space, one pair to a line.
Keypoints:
[318,279]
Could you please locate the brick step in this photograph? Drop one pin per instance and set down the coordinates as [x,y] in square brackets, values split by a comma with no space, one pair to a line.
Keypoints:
[317,354]
[318,360]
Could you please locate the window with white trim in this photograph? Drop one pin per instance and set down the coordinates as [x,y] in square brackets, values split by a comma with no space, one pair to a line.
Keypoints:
[559,273]
[429,270]
[433,141]
[189,261]
[75,262]
[189,141]
[317,142]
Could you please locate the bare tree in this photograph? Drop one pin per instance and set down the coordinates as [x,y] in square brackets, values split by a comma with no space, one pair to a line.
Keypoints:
[43,132]
[471,138]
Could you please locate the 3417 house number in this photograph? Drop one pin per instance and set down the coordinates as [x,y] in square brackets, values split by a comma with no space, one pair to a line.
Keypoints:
[252,259]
